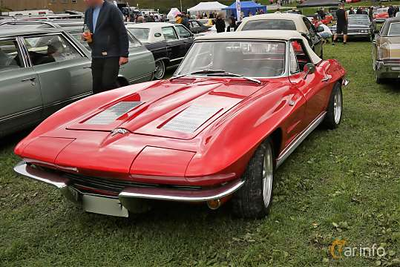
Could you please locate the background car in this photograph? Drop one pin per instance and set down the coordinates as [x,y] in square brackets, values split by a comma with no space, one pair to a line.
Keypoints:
[386,51]
[41,71]
[360,26]
[168,43]
[237,107]
[197,26]
[380,14]
[285,21]
[139,55]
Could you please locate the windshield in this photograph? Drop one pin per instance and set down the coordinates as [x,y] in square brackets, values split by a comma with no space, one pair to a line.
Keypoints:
[359,20]
[251,59]
[270,24]
[382,10]
[140,33]
[394,29]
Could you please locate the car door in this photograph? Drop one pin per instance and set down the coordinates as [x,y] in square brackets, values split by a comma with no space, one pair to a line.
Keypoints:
[315,87]
[186,36]
[20,96]
[63,69]
[138,56]
[175,46]
[314,38]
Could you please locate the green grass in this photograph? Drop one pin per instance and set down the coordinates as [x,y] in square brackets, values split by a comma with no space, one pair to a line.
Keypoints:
[338,184]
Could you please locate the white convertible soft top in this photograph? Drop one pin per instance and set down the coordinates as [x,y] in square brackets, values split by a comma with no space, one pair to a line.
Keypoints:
[267,35]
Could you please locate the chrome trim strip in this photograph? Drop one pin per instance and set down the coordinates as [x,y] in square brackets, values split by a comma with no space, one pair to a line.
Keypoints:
[70,99]
[21,113]
[49,178]
[181,195]
[295,143]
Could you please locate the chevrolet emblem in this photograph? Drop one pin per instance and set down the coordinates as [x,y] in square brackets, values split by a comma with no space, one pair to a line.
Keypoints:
[119,131]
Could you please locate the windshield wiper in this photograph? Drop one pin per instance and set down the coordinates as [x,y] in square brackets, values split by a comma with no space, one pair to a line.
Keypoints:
[205,71]
[217,73]
[237,75]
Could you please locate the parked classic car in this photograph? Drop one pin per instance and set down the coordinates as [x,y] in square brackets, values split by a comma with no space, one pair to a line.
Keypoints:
[381,14]
[360,26]
[217,129]
[197,26]
[41,70]
[169,43]
[285,21]
[139,55]
[386,51]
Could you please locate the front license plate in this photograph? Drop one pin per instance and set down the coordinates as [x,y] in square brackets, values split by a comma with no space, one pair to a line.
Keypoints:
[104,205]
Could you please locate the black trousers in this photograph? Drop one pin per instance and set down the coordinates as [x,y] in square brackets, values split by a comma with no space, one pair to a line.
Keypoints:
[105,74]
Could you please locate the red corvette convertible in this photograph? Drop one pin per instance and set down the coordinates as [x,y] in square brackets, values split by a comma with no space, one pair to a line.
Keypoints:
[237,107]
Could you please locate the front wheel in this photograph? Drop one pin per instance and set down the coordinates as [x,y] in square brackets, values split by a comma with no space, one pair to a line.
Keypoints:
[159,72]
[254,199]
[335,108]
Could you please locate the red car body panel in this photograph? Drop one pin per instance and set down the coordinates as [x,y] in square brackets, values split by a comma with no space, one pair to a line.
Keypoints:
[242,115]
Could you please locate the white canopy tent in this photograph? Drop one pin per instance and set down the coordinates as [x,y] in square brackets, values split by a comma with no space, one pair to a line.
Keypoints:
[172,14]
[207,7]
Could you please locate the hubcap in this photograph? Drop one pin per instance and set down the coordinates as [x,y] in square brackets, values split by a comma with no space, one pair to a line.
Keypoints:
[159,71]
[337,107]
[268,176]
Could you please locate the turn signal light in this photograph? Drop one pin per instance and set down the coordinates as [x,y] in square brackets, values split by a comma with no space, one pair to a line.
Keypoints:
[214,204]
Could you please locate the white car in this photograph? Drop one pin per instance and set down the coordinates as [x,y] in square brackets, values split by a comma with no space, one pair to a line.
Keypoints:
[285,21]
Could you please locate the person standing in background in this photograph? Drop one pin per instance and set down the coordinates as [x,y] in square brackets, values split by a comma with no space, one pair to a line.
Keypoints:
[342,23]
[108,39]
[220,23]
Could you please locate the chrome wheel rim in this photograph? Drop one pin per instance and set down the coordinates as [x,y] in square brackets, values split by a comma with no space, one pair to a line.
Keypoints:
[268,176]
[160,70]
[337,107]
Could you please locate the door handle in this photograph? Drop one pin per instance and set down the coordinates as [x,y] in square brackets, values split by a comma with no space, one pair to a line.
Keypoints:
[327,78]
[30,79]
[87,67]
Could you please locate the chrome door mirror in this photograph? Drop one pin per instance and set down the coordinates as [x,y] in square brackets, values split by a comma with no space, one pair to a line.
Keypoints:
[309,68]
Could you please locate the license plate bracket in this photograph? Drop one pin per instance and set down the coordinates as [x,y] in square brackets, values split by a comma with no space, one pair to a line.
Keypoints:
[104,205]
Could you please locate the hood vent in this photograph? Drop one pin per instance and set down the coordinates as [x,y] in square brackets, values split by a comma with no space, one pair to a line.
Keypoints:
[112,113]
[190,119]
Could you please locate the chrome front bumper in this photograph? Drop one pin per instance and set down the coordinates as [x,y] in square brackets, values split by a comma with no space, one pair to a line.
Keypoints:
[130,198]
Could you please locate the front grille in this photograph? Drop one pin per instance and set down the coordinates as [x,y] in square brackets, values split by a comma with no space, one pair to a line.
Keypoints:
[110,186]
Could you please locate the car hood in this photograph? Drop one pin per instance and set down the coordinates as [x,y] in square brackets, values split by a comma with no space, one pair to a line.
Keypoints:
[173,109]
[133,127]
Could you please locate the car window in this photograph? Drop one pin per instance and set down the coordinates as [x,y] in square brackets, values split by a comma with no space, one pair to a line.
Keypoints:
[169,33]
[140,33]
[270,24]
[133,42]
[10,57]
[394,29]
[309,25]
[301,54]
[294,64]
[183,32]
[49,49]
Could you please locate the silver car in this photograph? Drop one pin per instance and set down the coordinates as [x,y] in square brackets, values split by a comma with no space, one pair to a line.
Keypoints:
[43,69]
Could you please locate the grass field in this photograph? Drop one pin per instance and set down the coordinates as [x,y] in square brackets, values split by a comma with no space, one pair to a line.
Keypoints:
[338,184]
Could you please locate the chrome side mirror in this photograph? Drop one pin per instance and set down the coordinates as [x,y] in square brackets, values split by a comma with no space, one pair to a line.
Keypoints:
[309,68]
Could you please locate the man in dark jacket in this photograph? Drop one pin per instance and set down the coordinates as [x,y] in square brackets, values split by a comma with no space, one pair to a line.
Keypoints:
[220,23]
[108,39]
